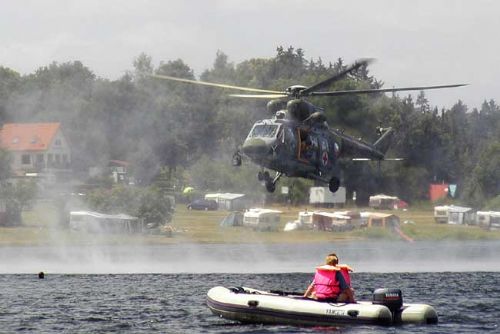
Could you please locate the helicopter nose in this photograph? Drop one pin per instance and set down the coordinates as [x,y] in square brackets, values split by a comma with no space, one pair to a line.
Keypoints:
[255,147]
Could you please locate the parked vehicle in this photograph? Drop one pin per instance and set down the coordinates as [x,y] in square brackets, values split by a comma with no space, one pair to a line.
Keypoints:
[202,204]
[262,219]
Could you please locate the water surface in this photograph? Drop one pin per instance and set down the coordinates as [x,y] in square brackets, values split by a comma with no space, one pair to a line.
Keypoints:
[175,303]
[144,289]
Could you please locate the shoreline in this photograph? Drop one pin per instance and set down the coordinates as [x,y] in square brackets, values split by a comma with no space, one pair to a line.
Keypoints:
[40,228]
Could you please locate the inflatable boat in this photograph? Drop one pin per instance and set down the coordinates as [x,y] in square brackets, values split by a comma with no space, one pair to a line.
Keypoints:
[279,307]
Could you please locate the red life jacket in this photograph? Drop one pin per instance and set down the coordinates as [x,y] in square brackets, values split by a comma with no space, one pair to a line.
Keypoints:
[345,269]
[325,282]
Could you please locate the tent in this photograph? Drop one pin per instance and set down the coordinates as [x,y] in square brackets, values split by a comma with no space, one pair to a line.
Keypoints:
[378,219]
[336,221]
[96,222]
[384,202]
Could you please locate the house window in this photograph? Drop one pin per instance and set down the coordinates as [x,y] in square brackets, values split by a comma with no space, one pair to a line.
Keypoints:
[39,158]
[58,158]
[25,159]
[57,142]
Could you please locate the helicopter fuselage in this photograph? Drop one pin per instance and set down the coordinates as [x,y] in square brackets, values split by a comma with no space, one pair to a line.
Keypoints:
[293,148]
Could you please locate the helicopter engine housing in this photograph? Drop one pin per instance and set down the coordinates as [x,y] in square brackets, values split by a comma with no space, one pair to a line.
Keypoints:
[274,106]
[299,109]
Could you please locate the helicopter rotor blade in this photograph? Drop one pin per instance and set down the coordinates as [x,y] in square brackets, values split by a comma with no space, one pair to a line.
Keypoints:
[325,83]
[381,90]
[260,96]
[212,84]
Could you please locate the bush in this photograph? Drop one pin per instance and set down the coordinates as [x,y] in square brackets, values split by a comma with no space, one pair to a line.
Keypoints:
[17,197]
[149,203]
[493,204]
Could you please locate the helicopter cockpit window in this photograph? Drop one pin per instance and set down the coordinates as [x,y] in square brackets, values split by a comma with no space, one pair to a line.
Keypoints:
[264,130]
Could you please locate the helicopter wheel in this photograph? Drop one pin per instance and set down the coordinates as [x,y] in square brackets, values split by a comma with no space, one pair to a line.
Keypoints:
[266,176]
[260,176]
[334,184]
[270,186]
[236,159]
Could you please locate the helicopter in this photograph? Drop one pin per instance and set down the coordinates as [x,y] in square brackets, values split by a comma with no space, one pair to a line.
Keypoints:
[297,141]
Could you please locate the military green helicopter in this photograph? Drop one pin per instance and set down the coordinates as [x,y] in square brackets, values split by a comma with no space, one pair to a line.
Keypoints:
[297,141]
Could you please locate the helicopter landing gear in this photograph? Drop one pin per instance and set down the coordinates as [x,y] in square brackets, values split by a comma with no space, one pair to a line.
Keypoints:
[334,184]
[270,186]
[271,183]
[236,159]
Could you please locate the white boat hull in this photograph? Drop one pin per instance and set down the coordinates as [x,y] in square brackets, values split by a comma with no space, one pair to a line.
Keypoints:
[254,306]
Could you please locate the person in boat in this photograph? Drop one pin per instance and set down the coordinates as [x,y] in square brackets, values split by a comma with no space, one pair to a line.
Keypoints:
[332,282]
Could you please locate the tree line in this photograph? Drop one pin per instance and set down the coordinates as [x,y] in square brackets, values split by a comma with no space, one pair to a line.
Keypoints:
[178,134]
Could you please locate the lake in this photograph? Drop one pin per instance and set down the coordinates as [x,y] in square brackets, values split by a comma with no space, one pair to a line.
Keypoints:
[163,288]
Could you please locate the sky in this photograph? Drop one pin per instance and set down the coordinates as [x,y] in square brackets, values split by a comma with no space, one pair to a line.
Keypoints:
[415,43]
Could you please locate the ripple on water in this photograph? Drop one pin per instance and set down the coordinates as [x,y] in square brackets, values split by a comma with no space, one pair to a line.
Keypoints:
[466,302]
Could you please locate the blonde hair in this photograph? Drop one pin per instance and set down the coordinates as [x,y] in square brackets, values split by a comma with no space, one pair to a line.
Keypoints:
[332,259]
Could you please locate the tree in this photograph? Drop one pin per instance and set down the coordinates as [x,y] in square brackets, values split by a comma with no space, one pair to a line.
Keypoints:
[9,83]
[182,131]
[485,180]
[17,196]
[5,163]
[142,66]
[423,103]
[148,203]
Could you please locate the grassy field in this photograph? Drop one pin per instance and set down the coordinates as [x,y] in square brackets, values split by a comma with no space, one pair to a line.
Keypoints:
[41,228]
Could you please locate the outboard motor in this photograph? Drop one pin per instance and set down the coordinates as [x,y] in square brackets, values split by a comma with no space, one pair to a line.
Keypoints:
[392,298]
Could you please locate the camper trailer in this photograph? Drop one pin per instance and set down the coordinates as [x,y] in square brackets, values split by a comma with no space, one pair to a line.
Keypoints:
[441,214]
[229,201]
[488,220]
[322,196]
[305,219]
[461,215]
[455,215]
[262,219]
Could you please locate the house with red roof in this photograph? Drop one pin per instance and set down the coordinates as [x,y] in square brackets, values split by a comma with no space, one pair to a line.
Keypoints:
[36,147]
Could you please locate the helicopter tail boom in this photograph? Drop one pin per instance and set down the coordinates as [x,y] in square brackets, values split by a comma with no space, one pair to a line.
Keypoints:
[377,150]
[357,148]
